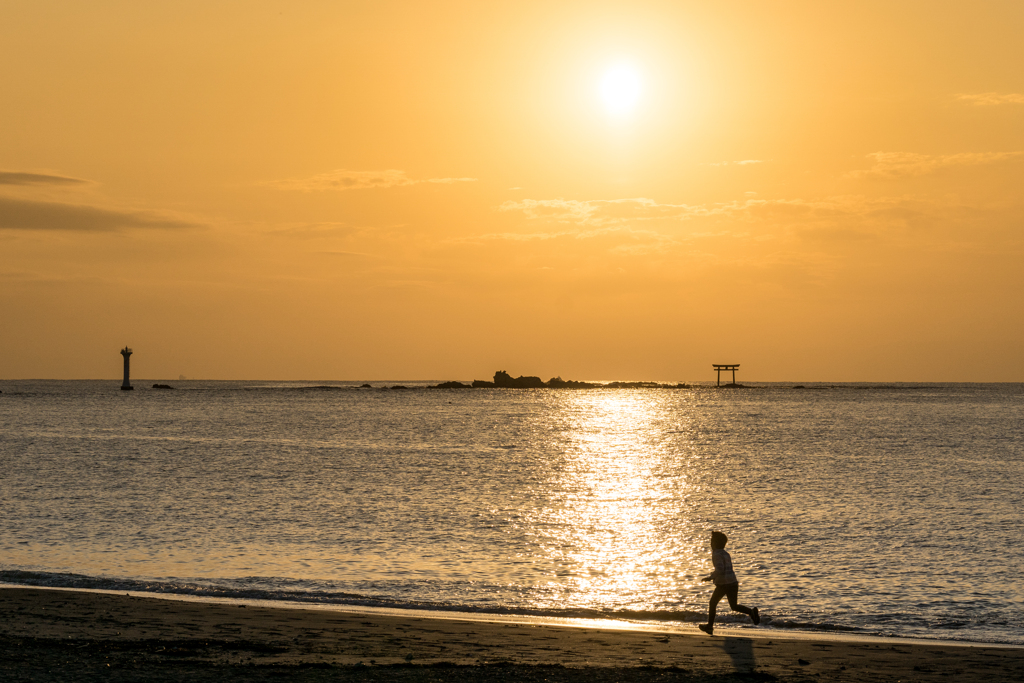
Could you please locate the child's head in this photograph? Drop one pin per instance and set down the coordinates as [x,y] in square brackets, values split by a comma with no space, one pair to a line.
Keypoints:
[718,540]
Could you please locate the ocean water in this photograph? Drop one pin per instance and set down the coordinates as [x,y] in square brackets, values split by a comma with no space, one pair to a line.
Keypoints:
[869,509]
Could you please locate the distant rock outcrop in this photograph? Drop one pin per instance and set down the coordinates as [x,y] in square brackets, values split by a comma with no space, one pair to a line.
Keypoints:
[162,386]
[451,385]
[559,383]
[504,380]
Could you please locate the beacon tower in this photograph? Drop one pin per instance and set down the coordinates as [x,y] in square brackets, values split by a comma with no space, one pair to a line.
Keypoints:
[126,385]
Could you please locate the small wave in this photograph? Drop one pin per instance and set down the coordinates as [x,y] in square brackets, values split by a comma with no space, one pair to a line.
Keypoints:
[80,581]
[323,387]
[323,597]
[812,626]
[254,588]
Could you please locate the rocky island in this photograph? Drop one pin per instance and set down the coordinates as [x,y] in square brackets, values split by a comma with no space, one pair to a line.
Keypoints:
[503,380]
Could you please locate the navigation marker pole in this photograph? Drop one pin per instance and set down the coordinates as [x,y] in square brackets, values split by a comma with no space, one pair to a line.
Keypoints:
[126,385]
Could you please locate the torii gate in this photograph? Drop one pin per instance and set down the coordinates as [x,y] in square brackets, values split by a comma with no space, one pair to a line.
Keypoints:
[727,367]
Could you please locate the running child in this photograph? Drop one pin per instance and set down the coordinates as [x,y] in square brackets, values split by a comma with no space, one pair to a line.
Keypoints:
[726,584]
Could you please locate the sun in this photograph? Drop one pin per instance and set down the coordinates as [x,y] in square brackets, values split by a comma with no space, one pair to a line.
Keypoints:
[620,89]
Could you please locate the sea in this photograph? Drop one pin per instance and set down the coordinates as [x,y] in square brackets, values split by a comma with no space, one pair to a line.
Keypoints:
[864,509]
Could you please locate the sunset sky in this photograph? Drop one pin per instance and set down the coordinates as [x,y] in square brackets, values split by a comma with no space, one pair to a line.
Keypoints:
[437,190]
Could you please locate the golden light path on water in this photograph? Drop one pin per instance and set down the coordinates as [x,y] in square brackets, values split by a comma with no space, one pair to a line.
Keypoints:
[617,525]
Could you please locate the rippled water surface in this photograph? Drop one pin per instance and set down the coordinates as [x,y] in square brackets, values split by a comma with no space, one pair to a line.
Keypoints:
[880,509]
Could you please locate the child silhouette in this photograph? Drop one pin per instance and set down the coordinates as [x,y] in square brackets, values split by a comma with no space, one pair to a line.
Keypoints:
[726,584]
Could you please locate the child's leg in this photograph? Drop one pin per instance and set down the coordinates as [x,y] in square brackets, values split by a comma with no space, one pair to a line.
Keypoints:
[732,592]
[720,592]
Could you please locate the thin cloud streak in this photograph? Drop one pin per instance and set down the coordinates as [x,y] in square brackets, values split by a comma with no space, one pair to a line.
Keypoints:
[21,214]
[595,211]
[341,180]
[639,241]
[991,99]
[22,178]
[348,254]
[838,218]
[743,162]
[598,212]
[904,164]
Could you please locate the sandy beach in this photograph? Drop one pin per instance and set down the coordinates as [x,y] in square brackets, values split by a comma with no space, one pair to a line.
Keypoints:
[67,635]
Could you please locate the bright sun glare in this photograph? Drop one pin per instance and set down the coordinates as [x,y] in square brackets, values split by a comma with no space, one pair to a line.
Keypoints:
[620,89]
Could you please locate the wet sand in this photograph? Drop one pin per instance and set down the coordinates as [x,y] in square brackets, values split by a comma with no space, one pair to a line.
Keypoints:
[56,635]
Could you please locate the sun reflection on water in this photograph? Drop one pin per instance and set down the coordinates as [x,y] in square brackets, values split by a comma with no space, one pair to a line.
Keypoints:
[617,524]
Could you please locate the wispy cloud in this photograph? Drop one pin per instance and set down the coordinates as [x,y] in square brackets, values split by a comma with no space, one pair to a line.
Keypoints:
[342,179]
[743,162]
[594,211]
[628,240]
[22,214]
[520,236]
[605,212]
[347,254]
[22,178]
[795,231]
[833,218]
[903,164]
[991,99]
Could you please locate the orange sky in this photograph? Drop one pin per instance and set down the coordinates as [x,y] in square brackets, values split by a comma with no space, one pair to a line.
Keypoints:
[388,190]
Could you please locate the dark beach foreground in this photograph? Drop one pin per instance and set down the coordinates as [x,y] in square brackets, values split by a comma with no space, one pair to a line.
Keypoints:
[56,635]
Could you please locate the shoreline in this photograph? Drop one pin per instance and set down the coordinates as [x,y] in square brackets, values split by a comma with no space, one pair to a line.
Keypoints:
[660,627]
[79,634]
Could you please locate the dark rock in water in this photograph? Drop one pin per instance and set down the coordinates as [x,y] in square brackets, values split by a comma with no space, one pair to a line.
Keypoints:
[559,383]
[162,386]
[799,386]
[451,385]
[731,385]
[365,386]
[504,380]
[399,387]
